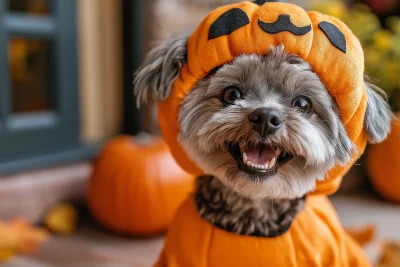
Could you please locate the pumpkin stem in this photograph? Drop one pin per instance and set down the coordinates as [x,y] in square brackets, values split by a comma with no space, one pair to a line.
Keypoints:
[143,138]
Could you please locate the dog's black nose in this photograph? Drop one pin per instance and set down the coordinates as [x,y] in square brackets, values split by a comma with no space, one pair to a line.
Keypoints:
[266,120]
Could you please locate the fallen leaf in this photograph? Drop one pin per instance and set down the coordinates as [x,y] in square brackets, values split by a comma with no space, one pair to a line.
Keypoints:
[390,255]
[62,219]
[19,236]
[362,235]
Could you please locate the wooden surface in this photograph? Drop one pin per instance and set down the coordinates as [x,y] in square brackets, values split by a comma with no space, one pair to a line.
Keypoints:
[30,194]
[93,246]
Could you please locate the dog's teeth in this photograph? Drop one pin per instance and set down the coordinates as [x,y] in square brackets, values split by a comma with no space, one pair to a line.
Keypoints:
[257,166]
[272,162]
[277,151]
[244,158]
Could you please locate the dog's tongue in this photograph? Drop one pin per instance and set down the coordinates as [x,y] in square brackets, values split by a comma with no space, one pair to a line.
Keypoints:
[260,155]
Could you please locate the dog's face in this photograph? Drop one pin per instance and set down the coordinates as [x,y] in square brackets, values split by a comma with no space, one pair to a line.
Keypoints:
[264,125]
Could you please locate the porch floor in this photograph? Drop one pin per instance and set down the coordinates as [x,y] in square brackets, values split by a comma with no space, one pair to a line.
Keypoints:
[92,246]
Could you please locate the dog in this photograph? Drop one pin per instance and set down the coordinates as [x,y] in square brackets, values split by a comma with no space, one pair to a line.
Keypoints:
[263,128]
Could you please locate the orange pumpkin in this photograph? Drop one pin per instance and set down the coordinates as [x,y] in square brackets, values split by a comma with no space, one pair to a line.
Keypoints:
[137,186]
[383,165]
[316,237]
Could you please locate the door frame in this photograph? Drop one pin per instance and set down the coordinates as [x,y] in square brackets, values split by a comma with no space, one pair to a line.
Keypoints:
[133,47]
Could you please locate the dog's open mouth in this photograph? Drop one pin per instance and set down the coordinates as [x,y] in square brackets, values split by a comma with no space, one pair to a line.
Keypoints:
[260,160]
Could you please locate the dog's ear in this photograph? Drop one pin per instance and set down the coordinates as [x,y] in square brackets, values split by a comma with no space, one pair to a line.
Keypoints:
[378,116]
[154,78]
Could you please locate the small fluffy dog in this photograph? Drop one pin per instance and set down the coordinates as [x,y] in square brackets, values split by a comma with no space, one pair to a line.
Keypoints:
[268,102]
[263,128]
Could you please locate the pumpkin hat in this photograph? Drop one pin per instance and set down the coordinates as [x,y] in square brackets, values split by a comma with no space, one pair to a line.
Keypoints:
[325,42]
[316,237]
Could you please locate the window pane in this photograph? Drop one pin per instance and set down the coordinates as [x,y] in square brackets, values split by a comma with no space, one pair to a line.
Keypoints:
[29,6]
[30,74]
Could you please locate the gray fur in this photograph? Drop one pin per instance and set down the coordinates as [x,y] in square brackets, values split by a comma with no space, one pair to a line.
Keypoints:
[227,209]
[319,140]
[154,78]
[378,116]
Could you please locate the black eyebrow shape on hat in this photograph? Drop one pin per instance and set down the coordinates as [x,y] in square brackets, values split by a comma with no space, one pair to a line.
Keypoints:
[261,2]
[335,36]
[283,23]
[228,22]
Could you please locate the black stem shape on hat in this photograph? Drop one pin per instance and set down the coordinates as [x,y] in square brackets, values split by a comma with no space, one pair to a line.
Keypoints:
[261,2]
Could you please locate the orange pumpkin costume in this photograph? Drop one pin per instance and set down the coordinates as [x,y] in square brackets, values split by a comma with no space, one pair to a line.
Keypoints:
[316,237]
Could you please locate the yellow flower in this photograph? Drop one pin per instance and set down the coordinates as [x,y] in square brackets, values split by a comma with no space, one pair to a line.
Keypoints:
[394,24]
[362,8]
[337,9]
[334,8]
[363,24]
[383,40]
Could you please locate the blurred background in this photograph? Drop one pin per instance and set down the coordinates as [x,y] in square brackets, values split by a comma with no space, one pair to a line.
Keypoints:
[67,117]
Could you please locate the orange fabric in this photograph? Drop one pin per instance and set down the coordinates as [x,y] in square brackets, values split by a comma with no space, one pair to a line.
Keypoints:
[315,239]
[342,73]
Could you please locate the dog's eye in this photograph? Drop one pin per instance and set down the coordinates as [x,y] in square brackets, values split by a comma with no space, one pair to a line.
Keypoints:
[303,104]
[230,94]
